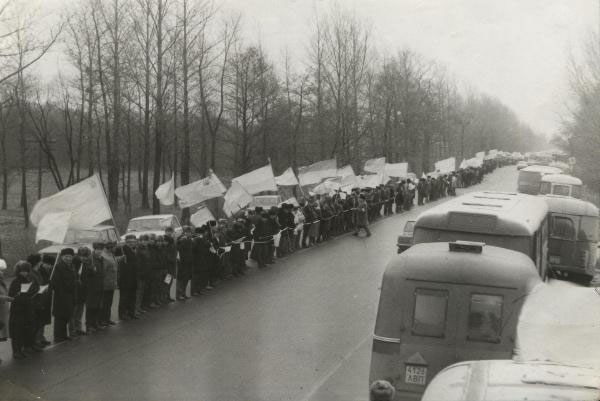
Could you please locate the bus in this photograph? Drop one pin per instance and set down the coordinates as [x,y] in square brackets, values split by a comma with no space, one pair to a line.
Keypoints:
[495,380]
[508,220]
[445,302]
[561,184]
[573,237]
[530,178]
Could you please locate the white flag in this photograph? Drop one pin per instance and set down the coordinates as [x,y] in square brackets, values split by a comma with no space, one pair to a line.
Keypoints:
[236,199]
[316,172]
[207,188]
[259,180]
[85,200]
[326,187]
[288,178]
[201,217]
[464,164]
[446,166]
[398,170]
[165,193]
[53,227]
[375,165]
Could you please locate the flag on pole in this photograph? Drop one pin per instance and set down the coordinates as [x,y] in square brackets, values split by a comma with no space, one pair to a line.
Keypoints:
[316,172]
[165,193]
[288,178]
[201,217]
[326,187]
[398,170]
[375,165]
[259,180]
[446,166]
[85,200]
[464,164]
[348,178]
[236,199]
[53,227]
[199,191]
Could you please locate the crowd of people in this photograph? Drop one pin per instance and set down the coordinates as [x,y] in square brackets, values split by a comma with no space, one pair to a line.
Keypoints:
[77,286]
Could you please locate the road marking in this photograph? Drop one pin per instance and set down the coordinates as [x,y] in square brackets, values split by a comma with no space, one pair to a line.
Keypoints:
[334,369]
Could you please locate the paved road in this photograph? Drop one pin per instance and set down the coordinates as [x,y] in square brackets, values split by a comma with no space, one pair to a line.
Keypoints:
[299,331]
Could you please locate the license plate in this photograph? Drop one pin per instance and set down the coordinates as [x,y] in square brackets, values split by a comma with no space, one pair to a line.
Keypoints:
[415,375]
[555,259]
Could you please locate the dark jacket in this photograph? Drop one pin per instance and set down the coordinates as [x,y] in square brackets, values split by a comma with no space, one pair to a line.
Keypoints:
[186,257]
[92,278]
[64,284]
[143,261]
[21,322]
[127,278]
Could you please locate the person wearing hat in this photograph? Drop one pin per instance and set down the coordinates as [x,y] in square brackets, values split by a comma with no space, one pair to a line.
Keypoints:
[64,284]
[185,263]
[127,279]
[4,303]
[92,279]
[111,267]
[362,217]
[143,275]
[79,261]
[21,322]
[381,390]
[41,270]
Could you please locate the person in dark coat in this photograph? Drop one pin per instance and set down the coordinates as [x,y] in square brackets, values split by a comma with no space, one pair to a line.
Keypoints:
[111,268]
[234,237]
[362,218]
[92,278]
[64,284]
[76,323]
[127,279]
[185,264]
[42,302]
[201,258]
[169,252]
[143,275]
[21,323]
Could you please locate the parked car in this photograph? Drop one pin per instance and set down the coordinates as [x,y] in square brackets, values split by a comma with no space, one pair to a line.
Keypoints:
[522,164]
[405,240]
[153,224]
[76,238]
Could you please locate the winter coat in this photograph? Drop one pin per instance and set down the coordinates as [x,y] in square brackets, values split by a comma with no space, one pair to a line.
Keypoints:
[111,267]
[361,213]
[4,309]
[92,278]
[43,302]
[21,322]
[64,284]
[127,278]
[186,257]
[144,262]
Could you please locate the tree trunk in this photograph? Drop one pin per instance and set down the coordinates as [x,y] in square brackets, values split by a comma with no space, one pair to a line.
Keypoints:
[158,137]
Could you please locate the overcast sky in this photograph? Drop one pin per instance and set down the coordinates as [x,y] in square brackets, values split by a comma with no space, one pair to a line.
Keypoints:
[516,50]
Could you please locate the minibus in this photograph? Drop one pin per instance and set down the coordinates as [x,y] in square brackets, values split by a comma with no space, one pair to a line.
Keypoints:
[446,302]
[508,220]
[530,178]
[573,237]
[561,184]
[496,380]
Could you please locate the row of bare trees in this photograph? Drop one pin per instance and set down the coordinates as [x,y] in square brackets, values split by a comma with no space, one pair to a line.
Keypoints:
[162,86]
[580,135]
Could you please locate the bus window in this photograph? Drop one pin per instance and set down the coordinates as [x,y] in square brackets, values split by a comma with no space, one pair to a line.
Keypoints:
[485,318]
[562,190]
[562,227]
[430,313]
[576,191]
[588,229]
[545,188]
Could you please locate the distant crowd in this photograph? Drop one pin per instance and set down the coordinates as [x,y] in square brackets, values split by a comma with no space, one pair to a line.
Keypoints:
[77,286]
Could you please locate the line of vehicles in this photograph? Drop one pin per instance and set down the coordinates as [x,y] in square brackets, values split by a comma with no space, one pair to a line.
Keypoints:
[450,301]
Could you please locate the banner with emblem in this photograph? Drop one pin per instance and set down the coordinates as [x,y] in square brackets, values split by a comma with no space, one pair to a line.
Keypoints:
[199,191]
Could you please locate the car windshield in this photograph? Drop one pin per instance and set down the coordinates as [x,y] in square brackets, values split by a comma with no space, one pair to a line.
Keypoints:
[149,224]
[83,236]
[562,190]
[529,177]
[409,227]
